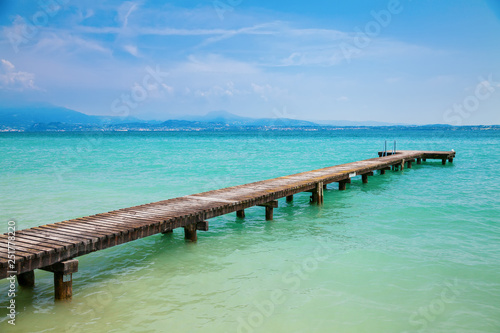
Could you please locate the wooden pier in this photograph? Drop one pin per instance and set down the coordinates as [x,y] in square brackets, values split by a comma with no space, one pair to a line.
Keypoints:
[53,247]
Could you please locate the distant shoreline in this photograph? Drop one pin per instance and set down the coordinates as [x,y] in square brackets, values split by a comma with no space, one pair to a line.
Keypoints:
[59,127]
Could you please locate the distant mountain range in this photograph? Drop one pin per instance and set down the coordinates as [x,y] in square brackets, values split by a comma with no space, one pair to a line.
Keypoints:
[226,118]
[23,118]
[48,118]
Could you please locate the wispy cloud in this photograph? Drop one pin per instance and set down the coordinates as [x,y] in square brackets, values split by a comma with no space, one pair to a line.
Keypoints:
[11,79]
[125,10]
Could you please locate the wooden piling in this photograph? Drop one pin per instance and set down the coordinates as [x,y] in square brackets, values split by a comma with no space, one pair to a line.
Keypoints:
[383,170]
[317,194]
[289,198]
[270,209]
[269,213]
[342,185]
[63,278]
[26,280]
[240,213]
[443,161]
[364,178]
[409,164]
[419,161]
[450,160]
[190,232]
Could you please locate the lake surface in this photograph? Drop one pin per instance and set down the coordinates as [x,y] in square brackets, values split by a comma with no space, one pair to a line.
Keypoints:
[411,251]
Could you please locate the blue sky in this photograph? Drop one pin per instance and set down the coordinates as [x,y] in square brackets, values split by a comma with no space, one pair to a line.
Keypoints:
[419,62]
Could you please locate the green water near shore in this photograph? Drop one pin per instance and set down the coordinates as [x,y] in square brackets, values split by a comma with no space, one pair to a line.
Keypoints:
[411,251]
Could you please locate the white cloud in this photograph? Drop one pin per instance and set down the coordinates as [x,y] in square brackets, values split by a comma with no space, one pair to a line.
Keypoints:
[266,91]
[70,44]
[343,99]
[215,64]
[11,79]
[125,10]
[132,49]
[228,90]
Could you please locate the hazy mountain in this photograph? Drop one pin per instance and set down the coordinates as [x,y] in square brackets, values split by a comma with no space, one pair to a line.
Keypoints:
[26,117]
[224,117]
[45,118]
[356,123]
[216,117]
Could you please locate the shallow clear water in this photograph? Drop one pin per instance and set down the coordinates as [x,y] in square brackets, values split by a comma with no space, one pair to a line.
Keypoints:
[411,251]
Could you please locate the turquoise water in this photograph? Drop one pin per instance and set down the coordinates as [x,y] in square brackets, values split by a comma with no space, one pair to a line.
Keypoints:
[411,251]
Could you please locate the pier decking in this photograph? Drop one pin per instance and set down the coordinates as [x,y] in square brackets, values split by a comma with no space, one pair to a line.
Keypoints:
[53,247]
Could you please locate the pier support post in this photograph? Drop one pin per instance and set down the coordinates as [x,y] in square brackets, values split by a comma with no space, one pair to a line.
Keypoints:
[317,194]
[364,177]
[383,170]
[26,280]
[402,166]
[419,161]
[240,213]
[270,209]
[450,159]
[269,213]
[409,164]
[342,185]
[63,278]
[324,187]
[443,161]
[289,198]
[424,160]
[190,232]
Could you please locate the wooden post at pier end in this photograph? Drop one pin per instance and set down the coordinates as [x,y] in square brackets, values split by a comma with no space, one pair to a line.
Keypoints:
[240,214]
[289,198]
[450,159]
[26,280]
[419,161]
[269,209]
[443,161]
[63,278]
